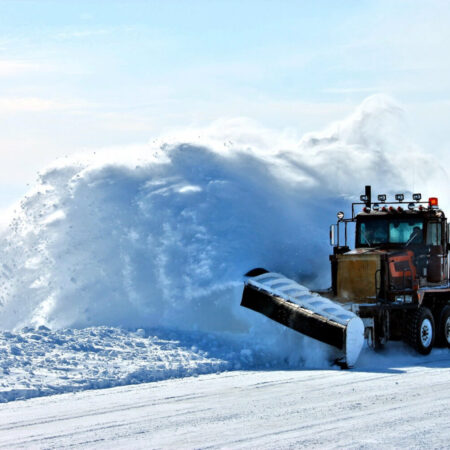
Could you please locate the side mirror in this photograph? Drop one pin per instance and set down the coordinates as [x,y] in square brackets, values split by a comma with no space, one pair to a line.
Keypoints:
[333,236]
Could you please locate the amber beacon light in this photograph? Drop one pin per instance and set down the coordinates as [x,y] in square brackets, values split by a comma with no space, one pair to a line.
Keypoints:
[433,201]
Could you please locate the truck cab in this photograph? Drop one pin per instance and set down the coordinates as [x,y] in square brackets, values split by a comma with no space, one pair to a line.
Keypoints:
[399,262]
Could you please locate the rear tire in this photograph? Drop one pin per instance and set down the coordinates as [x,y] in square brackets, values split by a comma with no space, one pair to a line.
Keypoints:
[420,330]
[443,328]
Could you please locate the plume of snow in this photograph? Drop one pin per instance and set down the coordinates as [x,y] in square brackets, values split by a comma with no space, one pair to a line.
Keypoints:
[161,235]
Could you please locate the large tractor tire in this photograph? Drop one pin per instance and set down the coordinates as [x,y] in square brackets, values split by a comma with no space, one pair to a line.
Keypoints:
[443,328]
[420,330]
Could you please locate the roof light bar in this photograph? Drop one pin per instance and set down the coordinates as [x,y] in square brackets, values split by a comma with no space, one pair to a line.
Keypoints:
[417,197]
[382,198]
[399,197]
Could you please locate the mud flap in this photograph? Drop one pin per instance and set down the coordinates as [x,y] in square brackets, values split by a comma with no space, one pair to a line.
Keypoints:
[295,307]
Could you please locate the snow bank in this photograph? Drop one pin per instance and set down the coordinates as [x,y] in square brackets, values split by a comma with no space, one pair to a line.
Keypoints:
[160,236]
[38,362]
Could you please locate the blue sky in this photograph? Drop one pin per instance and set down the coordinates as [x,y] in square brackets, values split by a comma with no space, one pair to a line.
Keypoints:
[80,75]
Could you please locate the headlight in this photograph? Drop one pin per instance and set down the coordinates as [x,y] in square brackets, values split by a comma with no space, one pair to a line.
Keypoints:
[403,299]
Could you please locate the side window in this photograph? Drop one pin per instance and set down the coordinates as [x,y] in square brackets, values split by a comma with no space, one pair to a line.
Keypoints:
[434,233]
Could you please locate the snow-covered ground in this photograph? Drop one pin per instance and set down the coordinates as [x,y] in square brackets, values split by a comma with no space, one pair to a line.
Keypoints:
[386,404]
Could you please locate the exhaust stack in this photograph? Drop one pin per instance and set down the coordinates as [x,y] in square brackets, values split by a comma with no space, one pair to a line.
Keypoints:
[368,196]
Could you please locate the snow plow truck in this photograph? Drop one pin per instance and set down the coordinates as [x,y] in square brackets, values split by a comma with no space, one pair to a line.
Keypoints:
[393,285]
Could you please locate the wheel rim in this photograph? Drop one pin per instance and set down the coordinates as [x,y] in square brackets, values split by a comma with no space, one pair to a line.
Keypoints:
[447,330]
[426,332]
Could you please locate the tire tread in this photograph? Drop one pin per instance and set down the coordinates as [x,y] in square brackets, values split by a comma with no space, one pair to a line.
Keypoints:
[412,329]
[441,340]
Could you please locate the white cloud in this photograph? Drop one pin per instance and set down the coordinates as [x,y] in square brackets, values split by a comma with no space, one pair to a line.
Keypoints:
[83,33]
[351,90]
[12,67]
[36,104]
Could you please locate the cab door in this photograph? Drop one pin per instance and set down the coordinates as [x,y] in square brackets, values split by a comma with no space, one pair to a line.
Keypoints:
[437,259]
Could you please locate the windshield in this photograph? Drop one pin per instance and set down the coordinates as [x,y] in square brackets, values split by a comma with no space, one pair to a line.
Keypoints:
[389,231]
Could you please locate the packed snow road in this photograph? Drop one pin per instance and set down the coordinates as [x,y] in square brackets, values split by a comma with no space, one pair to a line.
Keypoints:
[383,404]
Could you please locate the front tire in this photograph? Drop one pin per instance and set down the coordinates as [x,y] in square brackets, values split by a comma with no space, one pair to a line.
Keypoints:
[420,330]
[443,331]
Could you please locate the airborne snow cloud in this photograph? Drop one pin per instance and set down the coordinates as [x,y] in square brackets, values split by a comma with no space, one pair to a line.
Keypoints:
[160,236]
